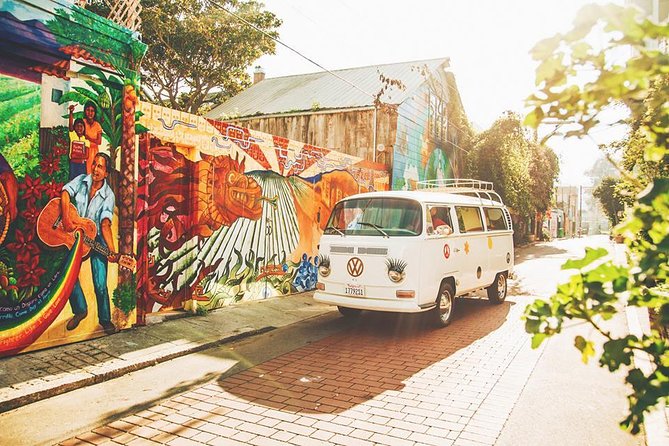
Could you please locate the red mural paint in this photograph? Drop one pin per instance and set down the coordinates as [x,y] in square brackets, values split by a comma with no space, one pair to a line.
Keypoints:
[35,315]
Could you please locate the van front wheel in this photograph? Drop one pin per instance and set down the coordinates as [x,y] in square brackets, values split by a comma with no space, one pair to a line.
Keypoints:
[497,291]
[349,312]
[443,311]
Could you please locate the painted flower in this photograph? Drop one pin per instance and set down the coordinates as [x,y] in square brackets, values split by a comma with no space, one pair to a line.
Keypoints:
[60,148]
[53,189]
[29,273]
[30,214]
[49,165]
[32,188]
[24,247]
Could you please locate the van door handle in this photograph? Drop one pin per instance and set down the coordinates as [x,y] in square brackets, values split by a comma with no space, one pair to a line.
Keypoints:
[456,250]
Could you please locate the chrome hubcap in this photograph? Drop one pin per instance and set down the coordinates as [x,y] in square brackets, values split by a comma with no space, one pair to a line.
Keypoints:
[445,306]
[501,286]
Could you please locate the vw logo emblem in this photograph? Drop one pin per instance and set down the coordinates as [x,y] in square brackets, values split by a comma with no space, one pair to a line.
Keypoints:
[355,266]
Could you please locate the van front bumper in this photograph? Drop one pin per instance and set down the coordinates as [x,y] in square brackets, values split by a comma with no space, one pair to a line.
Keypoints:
[394,305]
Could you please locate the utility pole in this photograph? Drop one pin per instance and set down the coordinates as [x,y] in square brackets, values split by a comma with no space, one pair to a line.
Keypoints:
[580,210]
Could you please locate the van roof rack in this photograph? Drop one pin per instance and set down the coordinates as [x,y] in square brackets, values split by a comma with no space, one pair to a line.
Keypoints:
[461,186]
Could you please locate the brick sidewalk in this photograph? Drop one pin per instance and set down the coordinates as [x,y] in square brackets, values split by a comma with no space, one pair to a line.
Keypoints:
[361,387]
[33,376]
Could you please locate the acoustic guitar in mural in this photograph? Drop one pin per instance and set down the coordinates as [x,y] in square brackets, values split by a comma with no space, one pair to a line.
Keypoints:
[50,231]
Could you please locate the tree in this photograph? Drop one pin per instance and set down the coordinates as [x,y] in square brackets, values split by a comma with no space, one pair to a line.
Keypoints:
[610,199]
[522,170]
[595,293]
[198,53]
[544,171]
[502,155]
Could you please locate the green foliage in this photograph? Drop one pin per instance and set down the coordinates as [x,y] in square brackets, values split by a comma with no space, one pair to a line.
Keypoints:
[201,311]
[103,39]
[610,199]
[107,95]
[19,124]
[600,288]
[198,53]
[523,171]
[124,296]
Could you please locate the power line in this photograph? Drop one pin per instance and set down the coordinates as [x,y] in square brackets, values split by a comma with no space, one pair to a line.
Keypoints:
[246,22]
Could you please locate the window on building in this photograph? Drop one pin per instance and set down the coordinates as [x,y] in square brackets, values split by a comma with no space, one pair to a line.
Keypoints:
[437,117]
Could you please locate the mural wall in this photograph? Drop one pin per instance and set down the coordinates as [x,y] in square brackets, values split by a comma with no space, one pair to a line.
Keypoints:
[425,146]
[67,90]
[226,213]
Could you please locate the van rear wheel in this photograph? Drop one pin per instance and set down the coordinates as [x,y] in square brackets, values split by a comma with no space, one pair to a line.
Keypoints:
[349,312]
[497,291]
[442,313]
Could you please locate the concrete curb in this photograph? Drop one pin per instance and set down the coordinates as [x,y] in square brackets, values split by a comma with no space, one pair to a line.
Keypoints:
[88,380]
[656,422]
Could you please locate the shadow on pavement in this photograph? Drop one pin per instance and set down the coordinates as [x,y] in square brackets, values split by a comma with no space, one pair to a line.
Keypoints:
[375,353]
[539,250]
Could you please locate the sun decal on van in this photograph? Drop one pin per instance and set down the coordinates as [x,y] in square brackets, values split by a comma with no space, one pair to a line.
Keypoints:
[489,242]
[466,247]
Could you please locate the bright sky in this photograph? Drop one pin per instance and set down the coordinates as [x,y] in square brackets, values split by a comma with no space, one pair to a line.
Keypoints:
[488,42]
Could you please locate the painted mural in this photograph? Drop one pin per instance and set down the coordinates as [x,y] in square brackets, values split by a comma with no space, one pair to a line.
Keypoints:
[424,149]
[227,214]
[66,81]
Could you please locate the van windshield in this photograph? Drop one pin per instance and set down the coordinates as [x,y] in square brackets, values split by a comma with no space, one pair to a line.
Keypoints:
[380,217]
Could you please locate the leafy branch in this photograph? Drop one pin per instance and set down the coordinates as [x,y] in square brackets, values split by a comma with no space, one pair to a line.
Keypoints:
[601,289]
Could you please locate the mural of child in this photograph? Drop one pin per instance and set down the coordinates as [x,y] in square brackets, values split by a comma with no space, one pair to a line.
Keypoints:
[80,146]
[93,132]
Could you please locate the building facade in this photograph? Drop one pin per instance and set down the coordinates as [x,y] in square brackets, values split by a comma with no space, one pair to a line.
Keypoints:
[403,115]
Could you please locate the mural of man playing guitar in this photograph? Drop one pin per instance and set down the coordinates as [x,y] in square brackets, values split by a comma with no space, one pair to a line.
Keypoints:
[94,200]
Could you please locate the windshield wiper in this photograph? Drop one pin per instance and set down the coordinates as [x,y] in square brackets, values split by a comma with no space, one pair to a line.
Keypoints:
[336,229]
[378,228]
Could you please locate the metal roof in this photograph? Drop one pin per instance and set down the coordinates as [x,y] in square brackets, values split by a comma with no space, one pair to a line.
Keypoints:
[322,90]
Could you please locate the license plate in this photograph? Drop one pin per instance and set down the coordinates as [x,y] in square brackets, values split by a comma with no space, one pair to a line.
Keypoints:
[354,290]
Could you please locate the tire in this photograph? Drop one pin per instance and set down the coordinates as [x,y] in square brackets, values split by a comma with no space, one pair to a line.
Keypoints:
[349,312]
[497,291]
[442,313]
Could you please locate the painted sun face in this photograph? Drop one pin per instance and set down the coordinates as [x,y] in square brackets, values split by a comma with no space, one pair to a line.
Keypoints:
[237,195]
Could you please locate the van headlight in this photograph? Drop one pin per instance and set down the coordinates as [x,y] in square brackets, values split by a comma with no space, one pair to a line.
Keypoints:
[323,265]
[395,276]
[396,269]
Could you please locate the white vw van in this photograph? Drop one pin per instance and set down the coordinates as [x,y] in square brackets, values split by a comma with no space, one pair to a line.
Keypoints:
[413,251]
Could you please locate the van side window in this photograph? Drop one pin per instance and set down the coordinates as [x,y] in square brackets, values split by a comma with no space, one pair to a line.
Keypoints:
[440,218]
[469,219]
[494,218]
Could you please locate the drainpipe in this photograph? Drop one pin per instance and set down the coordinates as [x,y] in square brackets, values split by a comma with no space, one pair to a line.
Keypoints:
[374,137]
